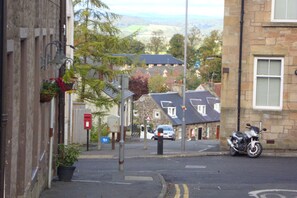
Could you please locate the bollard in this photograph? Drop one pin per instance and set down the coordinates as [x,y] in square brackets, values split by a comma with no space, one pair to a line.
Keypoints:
[160,141]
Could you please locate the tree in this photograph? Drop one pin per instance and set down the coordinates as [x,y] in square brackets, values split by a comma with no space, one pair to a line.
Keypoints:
[139,86]
[134,47]
[157,84]
[176,46]
[157,42]
[194,38]
[95,39]
[210,56]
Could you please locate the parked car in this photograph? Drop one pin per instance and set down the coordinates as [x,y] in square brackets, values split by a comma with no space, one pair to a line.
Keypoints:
[168,132]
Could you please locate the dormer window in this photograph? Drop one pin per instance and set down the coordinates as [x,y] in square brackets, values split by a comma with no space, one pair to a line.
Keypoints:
[202,109]
[172,112]
[217,107]
[171,109]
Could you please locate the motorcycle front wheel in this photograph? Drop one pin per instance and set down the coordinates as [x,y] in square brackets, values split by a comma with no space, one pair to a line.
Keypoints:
[233,152]
[255,151]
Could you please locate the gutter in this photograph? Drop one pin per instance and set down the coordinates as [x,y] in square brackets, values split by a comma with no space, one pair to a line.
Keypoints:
[240,65]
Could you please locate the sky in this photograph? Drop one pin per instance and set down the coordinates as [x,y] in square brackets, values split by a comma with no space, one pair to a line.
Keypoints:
[166,7]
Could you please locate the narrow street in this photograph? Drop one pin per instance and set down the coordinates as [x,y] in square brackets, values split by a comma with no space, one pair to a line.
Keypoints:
[202,171]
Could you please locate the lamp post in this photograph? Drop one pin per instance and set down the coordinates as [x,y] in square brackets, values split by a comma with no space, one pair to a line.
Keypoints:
[124,80]
[183,140]
[59,58]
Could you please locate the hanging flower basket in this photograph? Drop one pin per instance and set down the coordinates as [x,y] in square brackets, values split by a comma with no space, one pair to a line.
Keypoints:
[45,97]
[48,90]
[68,86]
[64,86]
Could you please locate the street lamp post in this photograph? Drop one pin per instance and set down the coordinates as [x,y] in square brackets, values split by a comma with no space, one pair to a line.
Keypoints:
[124,80]
[183,140]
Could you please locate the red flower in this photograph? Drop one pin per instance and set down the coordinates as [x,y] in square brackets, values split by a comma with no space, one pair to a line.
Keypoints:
[60,83]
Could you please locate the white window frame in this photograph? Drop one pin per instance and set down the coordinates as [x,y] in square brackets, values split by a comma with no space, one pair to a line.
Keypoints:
[280,106]
[202,109]
[217,107]
[279,20]
[157,114]
[172,111]
[135,113]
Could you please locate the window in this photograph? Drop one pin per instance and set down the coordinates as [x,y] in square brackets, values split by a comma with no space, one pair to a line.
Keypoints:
[172,111]
[284,11]
[135,113]
[157,115]
[217,107]
[268,83]
[202,109]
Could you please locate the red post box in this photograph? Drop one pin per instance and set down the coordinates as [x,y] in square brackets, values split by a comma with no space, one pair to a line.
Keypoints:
[87,121]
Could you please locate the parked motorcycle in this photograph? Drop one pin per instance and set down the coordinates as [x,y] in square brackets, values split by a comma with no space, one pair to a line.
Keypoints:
[247,142]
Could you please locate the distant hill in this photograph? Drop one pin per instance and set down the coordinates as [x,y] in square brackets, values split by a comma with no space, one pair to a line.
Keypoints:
[145,25]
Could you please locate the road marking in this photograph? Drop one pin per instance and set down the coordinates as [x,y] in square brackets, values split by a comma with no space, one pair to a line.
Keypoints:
[138,178]
[202,150]
[177,191]
[95,156]
[94,181]
[186,191]
[194,166]
[263,193]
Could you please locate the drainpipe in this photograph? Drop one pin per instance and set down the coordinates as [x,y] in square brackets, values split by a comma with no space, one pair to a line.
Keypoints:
[62,38]
[52,122]
[240,65]
[2,63]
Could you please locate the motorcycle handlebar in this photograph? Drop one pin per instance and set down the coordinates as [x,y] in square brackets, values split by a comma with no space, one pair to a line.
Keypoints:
[249,126]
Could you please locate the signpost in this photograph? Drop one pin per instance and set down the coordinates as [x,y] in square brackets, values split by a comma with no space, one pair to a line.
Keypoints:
[124,80]
[113,123]
[87,126]
[146,120]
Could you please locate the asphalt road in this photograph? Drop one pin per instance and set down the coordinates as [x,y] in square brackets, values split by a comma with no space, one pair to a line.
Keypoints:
[225,176]
[215,176]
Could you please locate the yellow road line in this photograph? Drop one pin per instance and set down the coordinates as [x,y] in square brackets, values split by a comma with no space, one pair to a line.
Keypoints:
[177,191]
[186,191]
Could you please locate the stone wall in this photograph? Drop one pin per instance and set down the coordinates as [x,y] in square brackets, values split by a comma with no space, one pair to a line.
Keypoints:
[261,37]
[30,26]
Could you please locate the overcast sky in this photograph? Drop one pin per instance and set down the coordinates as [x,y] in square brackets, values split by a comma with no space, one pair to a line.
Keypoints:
[166,7]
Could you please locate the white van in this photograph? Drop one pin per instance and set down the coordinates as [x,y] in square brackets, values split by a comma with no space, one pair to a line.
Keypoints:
[149,134]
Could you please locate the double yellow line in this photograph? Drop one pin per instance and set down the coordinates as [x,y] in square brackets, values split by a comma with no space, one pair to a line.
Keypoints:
[178,191]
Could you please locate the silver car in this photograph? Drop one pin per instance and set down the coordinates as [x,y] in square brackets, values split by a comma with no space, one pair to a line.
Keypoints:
[168,132]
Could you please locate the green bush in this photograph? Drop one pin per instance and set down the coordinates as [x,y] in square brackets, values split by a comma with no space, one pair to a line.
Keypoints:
[67,155]
[94,132]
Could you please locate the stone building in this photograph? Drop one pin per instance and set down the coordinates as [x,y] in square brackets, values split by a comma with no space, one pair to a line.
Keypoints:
[31,34]
[202,114]
[259,70]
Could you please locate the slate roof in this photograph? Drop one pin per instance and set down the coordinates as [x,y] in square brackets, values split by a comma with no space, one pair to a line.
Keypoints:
[154,58]
[112,94]
[193,98]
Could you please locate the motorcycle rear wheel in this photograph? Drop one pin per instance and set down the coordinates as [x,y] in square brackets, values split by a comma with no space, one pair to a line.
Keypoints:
[233,152]
[255,151]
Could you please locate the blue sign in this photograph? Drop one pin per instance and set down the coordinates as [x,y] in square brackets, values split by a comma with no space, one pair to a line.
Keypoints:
[197,65]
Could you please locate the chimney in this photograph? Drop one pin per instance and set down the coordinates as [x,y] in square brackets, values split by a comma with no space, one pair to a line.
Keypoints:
[178,88]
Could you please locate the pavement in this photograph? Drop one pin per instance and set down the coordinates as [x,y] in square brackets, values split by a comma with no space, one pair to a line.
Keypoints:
[122,184]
